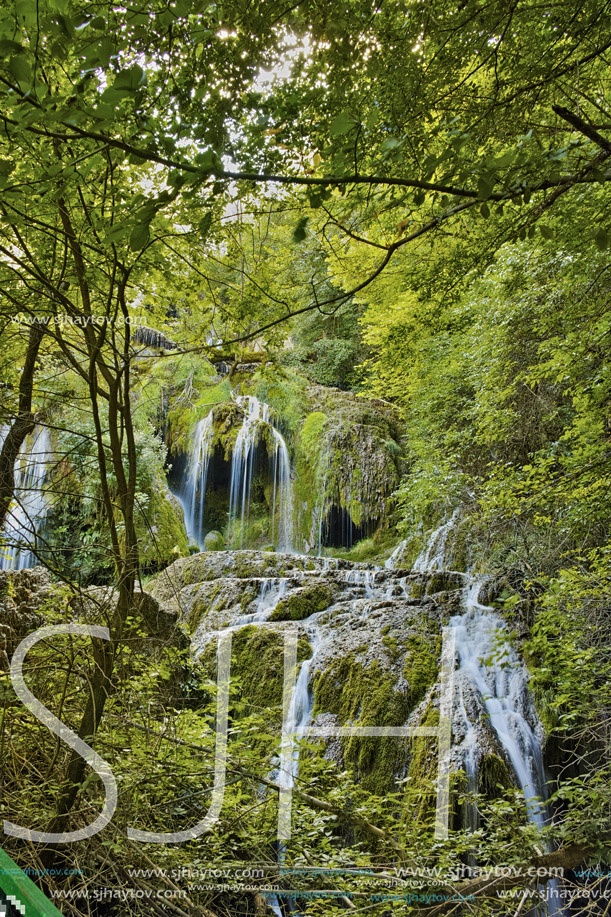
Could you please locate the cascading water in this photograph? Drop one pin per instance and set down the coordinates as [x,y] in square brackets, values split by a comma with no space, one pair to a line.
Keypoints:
[492,687]
[201,454]
[490,671]
[193,492]
[282,494]
[257,413]
[25,517]
[491,674]
[433,556]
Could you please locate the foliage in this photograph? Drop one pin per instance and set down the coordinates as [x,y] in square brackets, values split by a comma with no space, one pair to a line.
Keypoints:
[439,172]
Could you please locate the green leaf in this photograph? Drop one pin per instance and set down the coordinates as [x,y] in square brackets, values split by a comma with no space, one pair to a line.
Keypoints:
[484,188]
[8,47]
[601,237]
[299,233]
[204,224]
[99,55]
[485,211]
[20,69]
[419,197]
[546,232]
[207,161]
[139,237]
[372,120]
[342,124]
[130,79]
[503,161]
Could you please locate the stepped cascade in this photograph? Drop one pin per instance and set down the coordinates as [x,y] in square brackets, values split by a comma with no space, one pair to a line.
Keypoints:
[492,678]
[30,508]
[492,710]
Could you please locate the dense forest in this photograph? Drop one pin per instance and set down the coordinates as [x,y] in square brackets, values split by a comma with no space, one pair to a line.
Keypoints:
[305,455]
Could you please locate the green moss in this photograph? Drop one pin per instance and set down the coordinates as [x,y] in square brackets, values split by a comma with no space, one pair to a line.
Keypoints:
[303,602]
[421,664]
[257,666]
[247,597]
[442,582]
[493,776]
[367,696]
[420,789]
[162,537]
[200,608]
[214,541]
[312,432]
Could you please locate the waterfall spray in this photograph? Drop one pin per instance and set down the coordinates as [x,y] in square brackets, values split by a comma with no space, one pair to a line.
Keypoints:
[193,492]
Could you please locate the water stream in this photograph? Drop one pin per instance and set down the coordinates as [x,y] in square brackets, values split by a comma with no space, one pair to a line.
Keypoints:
[29,508]
[492,705]
[256,419]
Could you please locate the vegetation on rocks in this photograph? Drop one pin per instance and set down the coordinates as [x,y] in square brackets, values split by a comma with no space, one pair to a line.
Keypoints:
[389,223]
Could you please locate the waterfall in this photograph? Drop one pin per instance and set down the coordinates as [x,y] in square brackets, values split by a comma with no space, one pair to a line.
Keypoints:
[25,517]
[492,687]
[323,496]
[433,556]
[282,494]
[195,490]
[242,461]
[491,674]
[256,416]
[490,671]
[394,558]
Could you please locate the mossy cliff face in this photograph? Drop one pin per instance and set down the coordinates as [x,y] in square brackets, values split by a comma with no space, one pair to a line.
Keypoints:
[348,463]
[161,531]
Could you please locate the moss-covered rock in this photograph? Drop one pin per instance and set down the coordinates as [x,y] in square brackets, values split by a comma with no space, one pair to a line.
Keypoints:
[257,665]
[303,602]
[365,695]
[348,460]
[214,541]
[494,776]
[162,536]
[420,789]
[421,664]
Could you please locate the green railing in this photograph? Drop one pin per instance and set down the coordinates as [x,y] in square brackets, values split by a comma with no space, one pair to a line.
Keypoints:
[26,898]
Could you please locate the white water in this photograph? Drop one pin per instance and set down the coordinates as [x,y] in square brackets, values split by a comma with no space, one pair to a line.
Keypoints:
[272,591]
[30,508]
[433,557]
[393,560]
[201,454]
[490,671]
[256,415]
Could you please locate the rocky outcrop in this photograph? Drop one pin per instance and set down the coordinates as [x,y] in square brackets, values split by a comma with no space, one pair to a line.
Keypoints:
[348,460]
[23,597]
[29,599]
[373,637]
